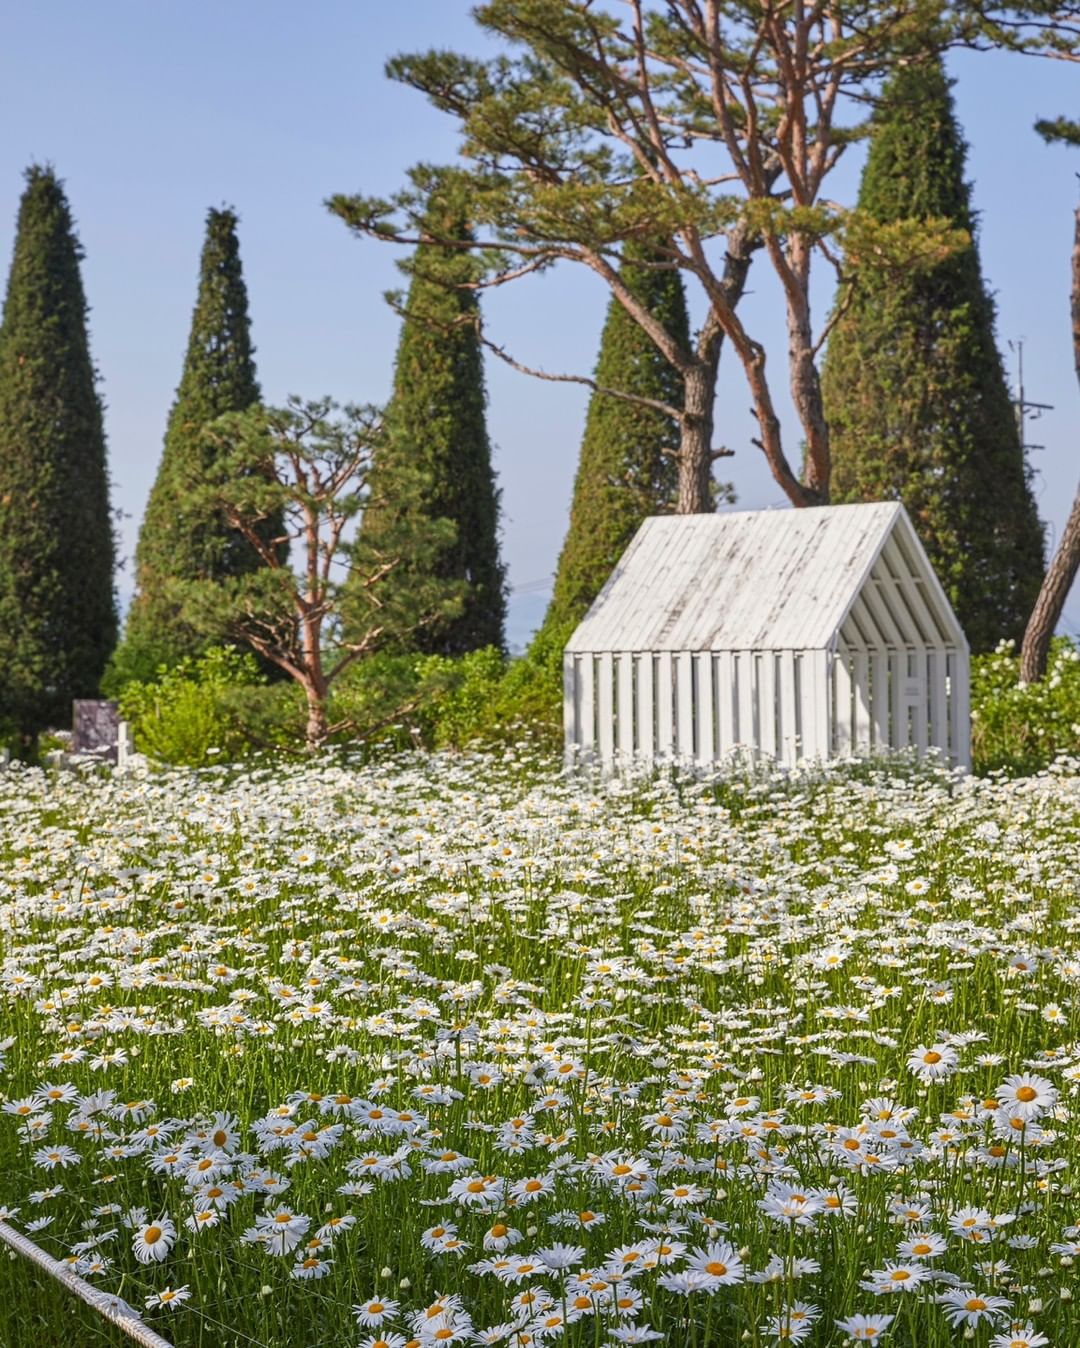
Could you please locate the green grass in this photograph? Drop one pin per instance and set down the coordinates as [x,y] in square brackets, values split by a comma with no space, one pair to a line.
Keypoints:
[474,941]
[35,1312]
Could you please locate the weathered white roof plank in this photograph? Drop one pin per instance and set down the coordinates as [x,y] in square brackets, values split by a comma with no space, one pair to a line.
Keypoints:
[760,580]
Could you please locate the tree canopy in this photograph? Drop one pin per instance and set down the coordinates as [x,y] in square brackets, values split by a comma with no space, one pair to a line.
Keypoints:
[710,127]
[915,394]
[180,541]
[57,606]
[434,459]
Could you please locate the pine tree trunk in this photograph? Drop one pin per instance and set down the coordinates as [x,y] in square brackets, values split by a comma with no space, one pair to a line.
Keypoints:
[1066,562]
[315,734]
[806,383]
[695,443]
[695,495]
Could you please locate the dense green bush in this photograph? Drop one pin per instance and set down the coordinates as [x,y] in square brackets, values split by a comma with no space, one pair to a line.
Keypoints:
[183,715]
[483,698]
[1018,728]
[219,707]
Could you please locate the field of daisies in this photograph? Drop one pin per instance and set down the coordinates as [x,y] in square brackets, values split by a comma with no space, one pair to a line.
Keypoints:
[469,1050]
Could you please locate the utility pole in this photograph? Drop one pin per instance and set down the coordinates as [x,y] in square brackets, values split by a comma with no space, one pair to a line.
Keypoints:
[1025,410]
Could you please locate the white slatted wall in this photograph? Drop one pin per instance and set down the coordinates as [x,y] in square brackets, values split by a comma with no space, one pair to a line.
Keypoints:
[695,706]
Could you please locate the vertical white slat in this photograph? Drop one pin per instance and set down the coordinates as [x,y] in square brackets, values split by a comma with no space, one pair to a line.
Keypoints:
[725,702]
[939,702]
[897,703]
[960,708]
[706,747]
[879,695]
[605,706]
[665,730]
[684,697]
[646,711]
[624,694]
[766,700]
[861,679]
[816,687]
[789,745]
[569,701]
[586,702]
[918,701]
[842,703]
[745,702]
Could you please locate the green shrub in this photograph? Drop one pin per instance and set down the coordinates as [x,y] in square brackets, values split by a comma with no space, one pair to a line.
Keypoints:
[532,691]
[184,716]
[482,698]
[220,707]
[459,694]
[380,701]
[1018,728]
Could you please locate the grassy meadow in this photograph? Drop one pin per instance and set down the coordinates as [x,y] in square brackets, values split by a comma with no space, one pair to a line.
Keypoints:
[466,1049]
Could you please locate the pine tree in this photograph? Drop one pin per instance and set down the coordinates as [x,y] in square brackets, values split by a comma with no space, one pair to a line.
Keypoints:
[57,550]
[179,541]
[436,460]
[625,470]
[915,394]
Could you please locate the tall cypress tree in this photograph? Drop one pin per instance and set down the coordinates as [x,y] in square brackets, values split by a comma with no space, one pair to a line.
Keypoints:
[915,394]
[435,463]
[179,541]
[625,470]
[57,551]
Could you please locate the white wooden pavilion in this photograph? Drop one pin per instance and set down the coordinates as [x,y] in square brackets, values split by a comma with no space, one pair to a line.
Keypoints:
[790,634]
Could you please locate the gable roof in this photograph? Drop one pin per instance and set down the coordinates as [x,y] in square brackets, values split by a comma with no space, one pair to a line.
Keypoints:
[758,580]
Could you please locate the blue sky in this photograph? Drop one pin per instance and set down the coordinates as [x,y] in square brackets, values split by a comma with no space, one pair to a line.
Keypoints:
[153,113]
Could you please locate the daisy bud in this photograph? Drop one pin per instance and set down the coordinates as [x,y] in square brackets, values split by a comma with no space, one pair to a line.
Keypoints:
[1066,1294]
[405,1284]
[266,1290]
[1066,1261]
[969,1331]
[386,1273]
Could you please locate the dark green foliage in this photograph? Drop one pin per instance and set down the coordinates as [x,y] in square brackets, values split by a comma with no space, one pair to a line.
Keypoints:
[1059,130]
[915,394]
[219,708]
[1019,728]
[180,541]
[183,715]
[626,470]
[57,607]
[435,462]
